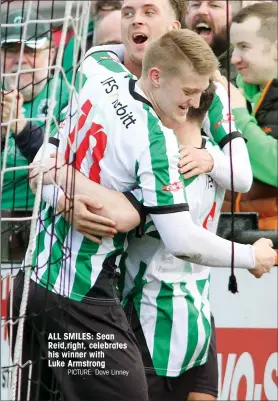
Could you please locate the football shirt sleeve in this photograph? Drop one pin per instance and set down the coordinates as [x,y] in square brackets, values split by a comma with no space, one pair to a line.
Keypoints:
[221,172]
[165,200]
[219,124]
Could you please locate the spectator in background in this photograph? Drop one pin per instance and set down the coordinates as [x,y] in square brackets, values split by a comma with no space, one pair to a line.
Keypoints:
[108,29]
[254,36]
[209,19]
[24,99]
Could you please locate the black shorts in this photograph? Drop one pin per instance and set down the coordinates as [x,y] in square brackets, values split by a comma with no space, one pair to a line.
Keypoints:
[113,372]
[201,379]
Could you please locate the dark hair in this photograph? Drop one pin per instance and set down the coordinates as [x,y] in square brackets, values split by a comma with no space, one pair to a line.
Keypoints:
[205,103]
[266,11]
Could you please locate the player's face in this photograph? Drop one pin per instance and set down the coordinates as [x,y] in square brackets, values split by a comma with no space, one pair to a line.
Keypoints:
[254,57]
[209,20]
[30,82]
[176,93]
[142,22]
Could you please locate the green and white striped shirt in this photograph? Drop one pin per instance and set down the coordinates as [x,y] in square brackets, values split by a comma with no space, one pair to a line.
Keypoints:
[171,297]
[113,136]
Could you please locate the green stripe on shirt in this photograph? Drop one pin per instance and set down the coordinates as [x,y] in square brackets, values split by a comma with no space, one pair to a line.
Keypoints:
[192,325]
[159,160]
[163,329]
[55,260]
[216,116]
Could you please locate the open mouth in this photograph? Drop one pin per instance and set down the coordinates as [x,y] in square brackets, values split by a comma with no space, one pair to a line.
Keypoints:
[203,28]
[139,38]
[183,109]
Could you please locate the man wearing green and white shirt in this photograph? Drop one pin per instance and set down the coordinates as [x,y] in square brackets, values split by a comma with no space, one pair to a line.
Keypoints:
[167,300]
[140,13]
[115,135]
[184,241]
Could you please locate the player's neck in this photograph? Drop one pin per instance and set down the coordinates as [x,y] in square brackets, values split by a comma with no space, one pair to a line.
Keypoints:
[134,68]
[145,87]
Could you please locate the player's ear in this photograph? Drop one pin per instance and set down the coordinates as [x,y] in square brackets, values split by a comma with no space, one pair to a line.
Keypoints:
[154,75]
[176,25]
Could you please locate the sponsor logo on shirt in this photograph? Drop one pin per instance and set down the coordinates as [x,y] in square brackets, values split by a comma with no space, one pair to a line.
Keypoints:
[227,119]
[176,186]
[122,110]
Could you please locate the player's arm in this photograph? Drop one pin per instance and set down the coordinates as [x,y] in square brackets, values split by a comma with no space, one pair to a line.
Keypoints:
[219,124]
[233,155]
[165,200]
[195,161]
[123,209]
[211,161]
[112,210]
[96,210]
[194,244]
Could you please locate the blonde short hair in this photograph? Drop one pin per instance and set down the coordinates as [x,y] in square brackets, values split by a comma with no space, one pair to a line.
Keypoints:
[170,50]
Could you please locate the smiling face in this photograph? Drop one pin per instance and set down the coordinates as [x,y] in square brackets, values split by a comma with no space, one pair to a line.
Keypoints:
[172,95]
[254,57]
[209,19]
[142,22]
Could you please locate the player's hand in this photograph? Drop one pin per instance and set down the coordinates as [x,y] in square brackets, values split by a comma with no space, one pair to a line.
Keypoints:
[194,161]
[237,98]
[52,169]
[12,100]
[80,212]
[265,257]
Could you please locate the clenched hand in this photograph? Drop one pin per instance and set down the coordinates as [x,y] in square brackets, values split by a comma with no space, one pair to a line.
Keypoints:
[194,161]
[12,108]
[265,257]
